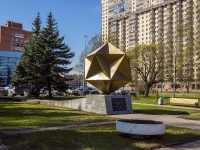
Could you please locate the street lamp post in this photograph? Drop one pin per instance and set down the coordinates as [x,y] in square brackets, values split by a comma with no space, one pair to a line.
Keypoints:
[174,77]
[85,36]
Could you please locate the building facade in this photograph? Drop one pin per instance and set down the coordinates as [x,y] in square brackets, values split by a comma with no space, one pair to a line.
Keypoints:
[13,37]
[12,40]
[8,62]
[172,23]
[75,80]
[132,22]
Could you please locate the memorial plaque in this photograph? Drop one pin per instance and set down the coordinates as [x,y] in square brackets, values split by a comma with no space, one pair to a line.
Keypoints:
[119,104]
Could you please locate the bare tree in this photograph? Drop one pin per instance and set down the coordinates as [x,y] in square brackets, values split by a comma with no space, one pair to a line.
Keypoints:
[188,51]
[92,44]
[147,61]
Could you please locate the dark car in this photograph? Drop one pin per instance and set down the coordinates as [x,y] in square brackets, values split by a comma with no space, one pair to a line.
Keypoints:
[14,90]
[43,90]
[117,92]
[132,93]
[94,91]
[124,92]
[3,91]
[77,92]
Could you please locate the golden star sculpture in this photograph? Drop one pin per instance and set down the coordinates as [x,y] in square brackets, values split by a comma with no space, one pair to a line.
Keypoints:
[107,68]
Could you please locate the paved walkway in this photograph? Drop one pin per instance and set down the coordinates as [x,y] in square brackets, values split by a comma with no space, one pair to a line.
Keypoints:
[172,120]
[13,132]
[187,146]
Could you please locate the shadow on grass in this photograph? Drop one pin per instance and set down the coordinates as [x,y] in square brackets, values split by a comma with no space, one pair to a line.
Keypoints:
[72,139]
[161,112]
[23,98]
[19,115]
[12,109]
[99,137]
[10,99]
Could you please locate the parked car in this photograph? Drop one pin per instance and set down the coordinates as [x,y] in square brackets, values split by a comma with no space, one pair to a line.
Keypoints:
[77,92]
[131,92]
[3,91]
[94,91]
[68,92]
[117,92]
[89,90]
[7,87]
[125,92]
[45,92]
[13,91]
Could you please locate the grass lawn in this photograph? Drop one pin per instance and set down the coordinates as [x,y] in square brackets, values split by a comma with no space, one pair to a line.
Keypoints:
[158,110]
[18,115]
[192,117]
[153,98]
[104,137]
[139,108]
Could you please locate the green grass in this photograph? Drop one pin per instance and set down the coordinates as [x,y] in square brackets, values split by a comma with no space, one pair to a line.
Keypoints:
[20,115]
[16,115]
[192,117]
[153,98]
[104,137]
[158,110]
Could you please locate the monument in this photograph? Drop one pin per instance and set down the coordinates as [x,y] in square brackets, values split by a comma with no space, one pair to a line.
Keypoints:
[108,69]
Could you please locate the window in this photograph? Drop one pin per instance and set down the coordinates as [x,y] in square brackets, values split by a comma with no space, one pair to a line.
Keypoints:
[193,86]
[19,35]
[16,44]
[198,86]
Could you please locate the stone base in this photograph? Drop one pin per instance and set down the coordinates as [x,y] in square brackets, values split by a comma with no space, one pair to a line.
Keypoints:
[140,127]
[109,104]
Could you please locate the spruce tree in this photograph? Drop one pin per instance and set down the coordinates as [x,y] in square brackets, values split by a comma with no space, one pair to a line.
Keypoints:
[27,73]
[45,57]
[56,55]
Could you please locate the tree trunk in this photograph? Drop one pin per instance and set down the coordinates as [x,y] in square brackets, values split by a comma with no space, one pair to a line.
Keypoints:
[49,89]
[147,91]
[187,89]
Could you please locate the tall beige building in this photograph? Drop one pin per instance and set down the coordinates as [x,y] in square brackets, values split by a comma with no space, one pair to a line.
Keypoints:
[132,22]
[127,23]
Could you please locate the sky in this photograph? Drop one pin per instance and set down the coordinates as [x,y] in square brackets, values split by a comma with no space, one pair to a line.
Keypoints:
[75,18]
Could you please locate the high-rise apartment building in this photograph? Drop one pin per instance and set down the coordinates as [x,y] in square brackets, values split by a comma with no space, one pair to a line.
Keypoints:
[172,23]
[130,22]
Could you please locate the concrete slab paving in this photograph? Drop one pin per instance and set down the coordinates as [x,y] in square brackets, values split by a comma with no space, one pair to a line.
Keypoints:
[187,146]
[171,120]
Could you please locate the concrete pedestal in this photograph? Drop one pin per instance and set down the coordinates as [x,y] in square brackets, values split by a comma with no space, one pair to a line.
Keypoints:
[100,104]
[109,104]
